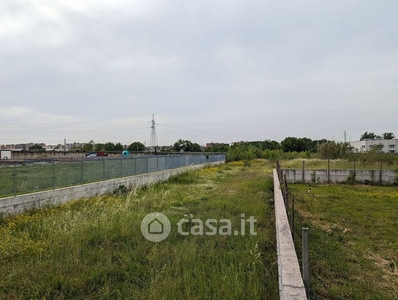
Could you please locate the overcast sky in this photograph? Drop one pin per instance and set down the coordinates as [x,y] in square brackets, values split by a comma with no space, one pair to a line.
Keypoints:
[210,71]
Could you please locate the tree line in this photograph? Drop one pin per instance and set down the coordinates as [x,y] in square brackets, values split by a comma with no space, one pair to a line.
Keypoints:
[288,148]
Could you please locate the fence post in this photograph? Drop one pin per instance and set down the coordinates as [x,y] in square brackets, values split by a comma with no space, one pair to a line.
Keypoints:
[328,170]
[302,173]
[292,218]
[278,169]
[286,188]
[306,268]
[103,169]
[286,194]
[121,166]
[15,180]
[354,166]
[53,177]
[381,172]
[81,169]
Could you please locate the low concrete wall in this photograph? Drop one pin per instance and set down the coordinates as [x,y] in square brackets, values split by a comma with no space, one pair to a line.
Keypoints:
[321,176]
[62,155]
[21,203]
[291,285]
[29,155]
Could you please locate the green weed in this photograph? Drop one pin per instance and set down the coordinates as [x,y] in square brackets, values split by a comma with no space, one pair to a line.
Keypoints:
[93,248]
[353,245]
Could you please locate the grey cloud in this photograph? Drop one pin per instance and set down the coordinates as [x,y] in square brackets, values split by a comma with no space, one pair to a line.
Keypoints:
[245,64]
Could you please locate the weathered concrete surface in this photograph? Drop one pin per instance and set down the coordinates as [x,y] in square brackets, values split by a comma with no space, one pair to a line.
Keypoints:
[321,176]
[28,155]
[21,203]
[291,284]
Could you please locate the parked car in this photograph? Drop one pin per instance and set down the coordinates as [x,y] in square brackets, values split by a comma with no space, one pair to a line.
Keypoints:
[91,154]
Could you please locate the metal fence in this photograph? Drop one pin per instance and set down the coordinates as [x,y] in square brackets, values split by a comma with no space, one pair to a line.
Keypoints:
[38,176]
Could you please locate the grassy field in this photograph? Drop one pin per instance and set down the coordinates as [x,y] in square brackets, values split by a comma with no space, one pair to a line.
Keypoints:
[335,164]
[353,240]
[93,248]
[45,176]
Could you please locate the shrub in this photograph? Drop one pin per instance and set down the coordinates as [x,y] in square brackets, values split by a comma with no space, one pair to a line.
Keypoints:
[351,177]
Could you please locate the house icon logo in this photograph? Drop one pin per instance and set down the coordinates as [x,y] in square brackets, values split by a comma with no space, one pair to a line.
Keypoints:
[155,227]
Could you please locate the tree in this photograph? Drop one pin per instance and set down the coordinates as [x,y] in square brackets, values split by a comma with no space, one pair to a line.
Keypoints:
[89,146]
[37,147]
[369,136]
[264,145]
[293,144]
[378,148]
[217,148]
[270,145]
[318,143]
[186,146]
[76,147]
[99,147]
[196,147]
[242,151]
[334,150]
[388,135]
[109,146]
[119,147]
[136,146]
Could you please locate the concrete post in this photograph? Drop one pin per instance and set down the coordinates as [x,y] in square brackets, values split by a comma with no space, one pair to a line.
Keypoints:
[121,167]
[285,185]
[278,169]
[354,165]
[103,169]
[286,196]
[302,173]
[15,180]
[81,171]
[53,176]
[328,170]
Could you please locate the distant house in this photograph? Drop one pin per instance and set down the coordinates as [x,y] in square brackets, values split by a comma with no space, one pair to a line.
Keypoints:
[389,146]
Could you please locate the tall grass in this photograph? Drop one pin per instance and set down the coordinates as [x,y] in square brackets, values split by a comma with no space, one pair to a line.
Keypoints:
[353,244]
[93,248]
[335,164]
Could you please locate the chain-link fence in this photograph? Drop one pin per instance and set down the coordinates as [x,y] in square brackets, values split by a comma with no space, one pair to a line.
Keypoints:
[29,177]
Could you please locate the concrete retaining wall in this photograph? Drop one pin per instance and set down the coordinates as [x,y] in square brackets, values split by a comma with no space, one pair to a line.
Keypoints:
[321,176]
[291,285]
[21,203]
[29,155]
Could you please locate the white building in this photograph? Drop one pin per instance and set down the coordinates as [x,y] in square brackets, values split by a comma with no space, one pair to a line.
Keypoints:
[389,146]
